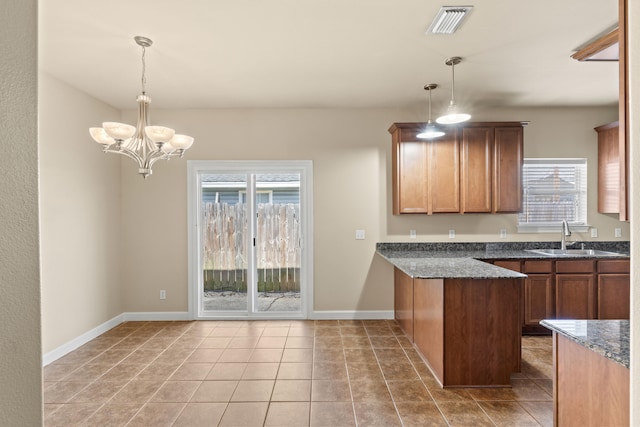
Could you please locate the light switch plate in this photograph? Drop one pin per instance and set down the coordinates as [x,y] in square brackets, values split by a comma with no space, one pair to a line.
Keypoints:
[594,232]
[618,232]
[359,234]
[452,234]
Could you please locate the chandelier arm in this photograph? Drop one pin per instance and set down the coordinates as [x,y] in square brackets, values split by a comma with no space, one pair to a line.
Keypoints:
[126,152]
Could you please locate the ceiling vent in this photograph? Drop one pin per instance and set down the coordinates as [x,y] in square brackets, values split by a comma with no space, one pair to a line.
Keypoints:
[449,19]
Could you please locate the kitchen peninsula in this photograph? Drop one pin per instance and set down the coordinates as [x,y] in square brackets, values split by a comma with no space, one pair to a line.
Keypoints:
[590,372]
[464,315]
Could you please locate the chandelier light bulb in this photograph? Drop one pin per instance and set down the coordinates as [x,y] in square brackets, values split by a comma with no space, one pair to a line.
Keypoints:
[118,131]
[100,136]
[159,133]
[182,142]
[143,143]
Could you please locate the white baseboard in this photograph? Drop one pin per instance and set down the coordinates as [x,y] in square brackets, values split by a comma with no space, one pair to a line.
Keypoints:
[351,315]
[156,316]
[64,349]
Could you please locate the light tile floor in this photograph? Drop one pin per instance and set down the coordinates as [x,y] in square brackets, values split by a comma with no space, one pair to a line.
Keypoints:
[279,373]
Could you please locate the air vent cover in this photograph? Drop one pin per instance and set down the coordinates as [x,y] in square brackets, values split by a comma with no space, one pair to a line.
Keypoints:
[449,19]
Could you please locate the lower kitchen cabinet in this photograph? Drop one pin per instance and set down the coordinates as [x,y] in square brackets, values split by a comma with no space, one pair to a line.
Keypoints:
[539,295]
[575,289]
[613,289]
[571,289]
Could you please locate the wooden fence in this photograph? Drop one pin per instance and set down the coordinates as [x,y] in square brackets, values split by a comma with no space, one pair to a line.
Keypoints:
[225,251]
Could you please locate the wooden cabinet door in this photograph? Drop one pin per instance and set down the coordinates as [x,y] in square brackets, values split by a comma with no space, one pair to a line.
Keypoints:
[507,169]
[444,174]
[539,298]
[575,296]
[608,168]
[613,296]
[475,169]
[411,188]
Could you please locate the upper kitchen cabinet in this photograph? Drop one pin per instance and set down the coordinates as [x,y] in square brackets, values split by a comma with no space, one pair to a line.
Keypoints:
[623,109]
[613,46]
[474,168]
[609,188]
[426,174]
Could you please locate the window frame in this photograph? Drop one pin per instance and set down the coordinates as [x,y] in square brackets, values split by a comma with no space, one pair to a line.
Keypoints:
[581,192]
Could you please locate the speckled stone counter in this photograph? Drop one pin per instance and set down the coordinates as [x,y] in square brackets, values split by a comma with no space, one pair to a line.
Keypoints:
[609,338]
[424,267]
[462,260]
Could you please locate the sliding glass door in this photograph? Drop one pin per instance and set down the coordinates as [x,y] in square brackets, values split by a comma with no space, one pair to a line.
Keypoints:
[248,246]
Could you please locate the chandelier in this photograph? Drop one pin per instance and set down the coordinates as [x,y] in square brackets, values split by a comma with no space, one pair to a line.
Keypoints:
[143,143]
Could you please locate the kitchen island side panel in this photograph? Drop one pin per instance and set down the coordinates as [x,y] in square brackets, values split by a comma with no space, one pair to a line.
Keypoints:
[589,389]
[428,326]
[403,301]
[482,331]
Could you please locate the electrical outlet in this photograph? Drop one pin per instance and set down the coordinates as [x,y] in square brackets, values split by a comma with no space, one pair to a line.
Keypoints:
[618,232]
[359,234]
[412,234]
[163,294]
[503,233]
[452,234]
[594,232]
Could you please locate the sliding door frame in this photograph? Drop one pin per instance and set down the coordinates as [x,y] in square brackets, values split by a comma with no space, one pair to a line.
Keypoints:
[194,207]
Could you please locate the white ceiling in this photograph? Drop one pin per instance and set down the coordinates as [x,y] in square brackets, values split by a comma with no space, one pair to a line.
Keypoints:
[327,53]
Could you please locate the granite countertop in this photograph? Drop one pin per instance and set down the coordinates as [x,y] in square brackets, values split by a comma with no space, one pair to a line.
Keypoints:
[609,338]
[459,268]
[463,260]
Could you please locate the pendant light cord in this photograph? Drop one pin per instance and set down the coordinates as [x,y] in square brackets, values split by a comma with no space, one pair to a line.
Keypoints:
[429,105]
[453,83]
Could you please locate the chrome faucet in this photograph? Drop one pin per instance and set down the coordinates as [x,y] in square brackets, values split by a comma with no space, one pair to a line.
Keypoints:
[565,232]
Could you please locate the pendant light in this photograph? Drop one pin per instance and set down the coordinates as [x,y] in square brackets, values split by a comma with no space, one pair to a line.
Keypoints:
[453,114]
[431,130]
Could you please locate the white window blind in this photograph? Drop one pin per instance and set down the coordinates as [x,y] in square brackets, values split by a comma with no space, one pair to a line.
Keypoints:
[553,190]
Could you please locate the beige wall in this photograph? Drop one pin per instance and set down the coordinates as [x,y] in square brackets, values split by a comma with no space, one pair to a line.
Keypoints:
[79,216]
[20,339]
[351,154]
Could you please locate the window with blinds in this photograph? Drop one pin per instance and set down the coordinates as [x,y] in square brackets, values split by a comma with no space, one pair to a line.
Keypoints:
[553,190]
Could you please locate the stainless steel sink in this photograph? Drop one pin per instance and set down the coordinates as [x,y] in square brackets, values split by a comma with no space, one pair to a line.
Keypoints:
[572,252]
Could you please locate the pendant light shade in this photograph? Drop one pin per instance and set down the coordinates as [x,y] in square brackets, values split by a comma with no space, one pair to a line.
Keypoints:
[431,130]
[453,114]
